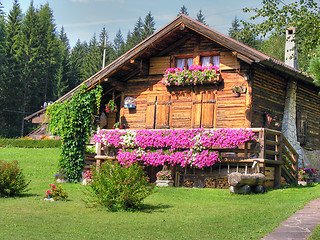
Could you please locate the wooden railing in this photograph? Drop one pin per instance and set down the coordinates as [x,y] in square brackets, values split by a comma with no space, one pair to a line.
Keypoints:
[271,149]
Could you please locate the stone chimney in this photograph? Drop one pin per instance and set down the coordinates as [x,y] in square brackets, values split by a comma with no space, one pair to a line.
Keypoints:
[291,54]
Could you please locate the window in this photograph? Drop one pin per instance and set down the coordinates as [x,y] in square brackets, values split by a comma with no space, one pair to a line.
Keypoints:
[210,61]
[184,62]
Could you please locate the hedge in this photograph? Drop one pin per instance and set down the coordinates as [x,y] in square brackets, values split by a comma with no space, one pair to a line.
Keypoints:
[30,143]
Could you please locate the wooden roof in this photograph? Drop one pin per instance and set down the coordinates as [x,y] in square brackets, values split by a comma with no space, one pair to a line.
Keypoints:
[174,33]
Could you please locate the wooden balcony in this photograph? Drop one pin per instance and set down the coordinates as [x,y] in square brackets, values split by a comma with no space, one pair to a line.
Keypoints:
[270,154]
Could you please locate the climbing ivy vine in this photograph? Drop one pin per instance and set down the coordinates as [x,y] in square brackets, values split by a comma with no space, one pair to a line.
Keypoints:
[73,121]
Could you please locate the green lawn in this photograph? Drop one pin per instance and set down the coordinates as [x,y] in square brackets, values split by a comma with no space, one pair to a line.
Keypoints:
[169,213]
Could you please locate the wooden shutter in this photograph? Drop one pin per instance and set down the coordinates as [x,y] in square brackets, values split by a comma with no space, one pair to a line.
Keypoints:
[208,101]
[150,111]
[163,111]
[196,109]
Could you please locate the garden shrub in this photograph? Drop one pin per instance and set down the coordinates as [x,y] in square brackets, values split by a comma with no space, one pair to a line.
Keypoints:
[29,143]
[118,188]
[12,180]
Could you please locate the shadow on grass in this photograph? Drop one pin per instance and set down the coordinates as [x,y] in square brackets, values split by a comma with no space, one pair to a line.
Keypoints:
[26,195]
[148,208]
[292,186]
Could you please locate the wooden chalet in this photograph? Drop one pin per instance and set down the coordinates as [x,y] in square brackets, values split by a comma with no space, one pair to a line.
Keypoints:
[138,74]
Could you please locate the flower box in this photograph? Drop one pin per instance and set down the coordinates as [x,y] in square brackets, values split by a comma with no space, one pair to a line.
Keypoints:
[164,183]
[195,75]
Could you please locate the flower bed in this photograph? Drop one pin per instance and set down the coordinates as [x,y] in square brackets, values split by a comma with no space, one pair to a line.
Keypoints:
[193,76]
[194,147]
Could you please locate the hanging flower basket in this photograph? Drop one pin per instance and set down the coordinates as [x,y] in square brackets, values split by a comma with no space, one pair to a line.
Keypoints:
[111,107]
[238,89]
[193,76]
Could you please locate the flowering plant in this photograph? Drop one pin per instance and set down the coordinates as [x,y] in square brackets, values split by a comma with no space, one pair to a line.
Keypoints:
[238,88]
[164,174]
[111,107]
[193,76]
[183,147]
[57,193]
[117,125]
[273,119]
[61,175]
[88,174]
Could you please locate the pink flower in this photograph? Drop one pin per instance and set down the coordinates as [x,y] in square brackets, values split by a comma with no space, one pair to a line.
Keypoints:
[48,192]
[53,186]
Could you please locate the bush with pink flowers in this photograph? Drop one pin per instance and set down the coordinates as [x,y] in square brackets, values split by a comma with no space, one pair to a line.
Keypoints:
[57,193]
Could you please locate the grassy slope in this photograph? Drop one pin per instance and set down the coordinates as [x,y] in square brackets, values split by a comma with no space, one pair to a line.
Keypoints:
[169,213]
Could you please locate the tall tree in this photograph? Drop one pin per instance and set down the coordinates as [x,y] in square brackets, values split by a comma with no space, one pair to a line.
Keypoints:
[3,65]
[274,46]
[314,67]
[183,10]
[93,59]
[64,77]
[13,80]
[109,50]
[243,34]
[276,16]
[118,44]
[201,17]
[148,26]
[77,59]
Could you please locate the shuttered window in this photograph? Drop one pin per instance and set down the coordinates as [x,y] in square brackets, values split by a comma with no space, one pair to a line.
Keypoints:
[158,111]
[203,103]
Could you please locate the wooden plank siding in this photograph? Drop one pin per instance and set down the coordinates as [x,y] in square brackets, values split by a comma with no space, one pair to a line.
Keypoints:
[268,94]
[308,102]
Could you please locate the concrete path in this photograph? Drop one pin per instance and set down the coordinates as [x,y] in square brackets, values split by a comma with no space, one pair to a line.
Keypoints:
[299,225]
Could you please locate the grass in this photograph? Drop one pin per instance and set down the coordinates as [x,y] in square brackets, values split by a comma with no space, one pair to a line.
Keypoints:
[169,213]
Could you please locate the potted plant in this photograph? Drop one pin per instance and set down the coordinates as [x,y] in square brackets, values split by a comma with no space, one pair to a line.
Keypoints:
[111,107]
[61,177]
[238,89]
[164,177]
[87,178]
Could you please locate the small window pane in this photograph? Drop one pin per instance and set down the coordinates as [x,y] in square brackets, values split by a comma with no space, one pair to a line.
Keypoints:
[205,61]
[190,62]
[216,61]
[180,63]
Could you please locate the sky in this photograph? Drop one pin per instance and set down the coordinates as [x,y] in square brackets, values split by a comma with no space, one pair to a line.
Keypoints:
[82,18]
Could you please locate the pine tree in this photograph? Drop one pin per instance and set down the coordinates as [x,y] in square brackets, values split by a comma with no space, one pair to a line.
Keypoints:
[93,59]
[64,78]
[118,44]
[148,26]
[77,59]
[3,64]
[13,79]
[201,18]
[183,10]
[243,34]
[109,49]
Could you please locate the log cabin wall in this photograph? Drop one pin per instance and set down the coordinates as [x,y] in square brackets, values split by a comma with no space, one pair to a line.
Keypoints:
[268,94]
[208,105]
[308,116]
